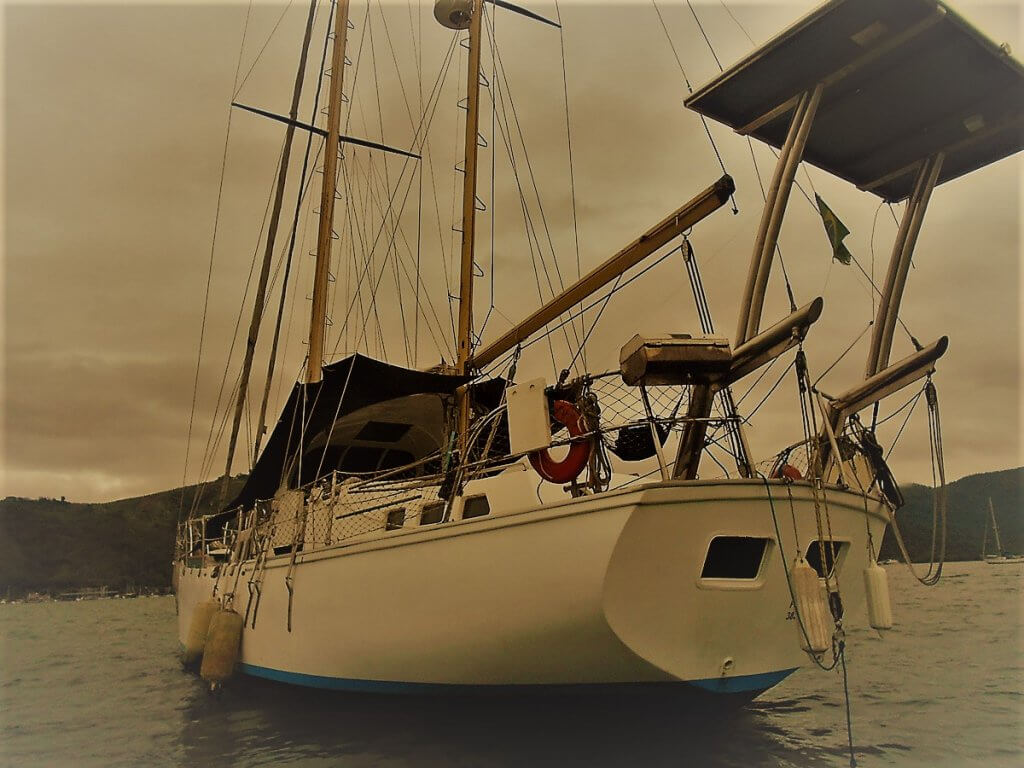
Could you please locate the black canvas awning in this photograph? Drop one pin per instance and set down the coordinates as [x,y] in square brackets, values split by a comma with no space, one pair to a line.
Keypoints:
[349,385]
[904,79]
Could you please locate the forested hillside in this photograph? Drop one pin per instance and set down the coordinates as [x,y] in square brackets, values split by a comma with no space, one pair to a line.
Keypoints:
[968,508]
[51,545]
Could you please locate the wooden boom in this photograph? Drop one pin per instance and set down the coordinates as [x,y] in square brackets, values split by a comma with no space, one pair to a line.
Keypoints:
[704,204]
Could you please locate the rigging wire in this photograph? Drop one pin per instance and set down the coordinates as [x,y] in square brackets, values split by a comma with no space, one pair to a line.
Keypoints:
[505,129]
[507,91]
[425,122]
[392,250]
[438,340]
[572,174]
[500,362]
[689,88]
[272,360]
[240,86]
[209,273]
[742,28]
[704,35]
[241,311]
[417,43]
[871,244]
[756,408]
[903,426]
[844,353]
[593,325]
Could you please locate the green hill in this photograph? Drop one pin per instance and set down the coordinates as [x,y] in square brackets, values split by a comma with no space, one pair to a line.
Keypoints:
[49,545]
[967,509]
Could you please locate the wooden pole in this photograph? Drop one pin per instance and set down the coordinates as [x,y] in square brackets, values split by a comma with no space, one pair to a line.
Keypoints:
[465,337]
[680,220]
[318,315]
[268,254]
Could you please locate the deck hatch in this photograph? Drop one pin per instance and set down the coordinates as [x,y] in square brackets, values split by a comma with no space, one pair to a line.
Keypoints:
[734,557]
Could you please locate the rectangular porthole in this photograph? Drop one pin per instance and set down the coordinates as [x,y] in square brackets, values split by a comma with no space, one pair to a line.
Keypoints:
[432,513]
[734,557]
[833,550]
[395,520]
[475,506]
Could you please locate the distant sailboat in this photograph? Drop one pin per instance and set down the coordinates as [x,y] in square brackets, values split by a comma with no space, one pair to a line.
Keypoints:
[1000,557]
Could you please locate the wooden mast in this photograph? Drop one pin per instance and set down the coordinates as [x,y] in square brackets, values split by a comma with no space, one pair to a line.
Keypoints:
[275,218]
[465,333]
[318,316]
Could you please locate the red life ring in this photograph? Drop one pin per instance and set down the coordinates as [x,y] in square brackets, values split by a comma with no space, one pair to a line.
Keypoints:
[788,472]
[569,468]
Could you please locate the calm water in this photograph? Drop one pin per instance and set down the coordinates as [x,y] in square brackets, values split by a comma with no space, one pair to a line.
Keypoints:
[98,683]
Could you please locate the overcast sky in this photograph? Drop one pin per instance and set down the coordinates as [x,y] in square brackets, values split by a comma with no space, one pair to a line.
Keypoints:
[113,137]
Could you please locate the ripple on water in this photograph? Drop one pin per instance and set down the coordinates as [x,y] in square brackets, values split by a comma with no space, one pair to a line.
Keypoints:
[942,689]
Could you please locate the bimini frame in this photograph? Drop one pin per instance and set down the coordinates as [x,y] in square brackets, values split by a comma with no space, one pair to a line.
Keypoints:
[895,96]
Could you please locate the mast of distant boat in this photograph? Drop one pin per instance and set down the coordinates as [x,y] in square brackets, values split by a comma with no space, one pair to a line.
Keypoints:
[984,542]
[995,528]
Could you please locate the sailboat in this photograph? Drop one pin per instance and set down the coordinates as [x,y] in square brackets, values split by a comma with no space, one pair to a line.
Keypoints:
[1000,556]
[454,529]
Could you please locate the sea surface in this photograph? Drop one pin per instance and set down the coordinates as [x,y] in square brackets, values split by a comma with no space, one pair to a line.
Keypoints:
[98,683]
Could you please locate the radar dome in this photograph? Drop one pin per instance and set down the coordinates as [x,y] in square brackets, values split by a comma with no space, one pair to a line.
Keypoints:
[454,14]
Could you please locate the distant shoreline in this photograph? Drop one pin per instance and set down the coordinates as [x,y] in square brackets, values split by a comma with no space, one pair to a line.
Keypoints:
[127,546]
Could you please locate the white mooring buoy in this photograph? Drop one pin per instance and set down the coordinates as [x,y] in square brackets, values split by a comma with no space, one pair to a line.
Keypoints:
[812,610]
[876,587]
[198,627]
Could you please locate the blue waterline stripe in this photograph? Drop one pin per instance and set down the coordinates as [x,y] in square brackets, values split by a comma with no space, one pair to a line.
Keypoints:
[740,684]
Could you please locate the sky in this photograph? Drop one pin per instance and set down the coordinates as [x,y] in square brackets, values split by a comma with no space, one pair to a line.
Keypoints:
[119,184]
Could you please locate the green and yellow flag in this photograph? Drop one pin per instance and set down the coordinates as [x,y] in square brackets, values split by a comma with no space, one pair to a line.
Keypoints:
[836,231]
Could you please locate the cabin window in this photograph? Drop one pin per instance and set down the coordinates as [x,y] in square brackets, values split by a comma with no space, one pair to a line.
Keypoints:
[832,550]
[475,506]
[395,520]
[432,513]
[734,557]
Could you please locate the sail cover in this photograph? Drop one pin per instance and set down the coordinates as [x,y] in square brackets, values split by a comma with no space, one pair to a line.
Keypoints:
[904,79]
[384,402]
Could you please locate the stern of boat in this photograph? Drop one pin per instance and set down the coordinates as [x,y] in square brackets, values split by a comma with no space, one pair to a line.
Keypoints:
[697,583]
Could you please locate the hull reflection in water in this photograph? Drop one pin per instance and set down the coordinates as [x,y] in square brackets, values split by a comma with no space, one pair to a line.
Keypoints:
[256,721]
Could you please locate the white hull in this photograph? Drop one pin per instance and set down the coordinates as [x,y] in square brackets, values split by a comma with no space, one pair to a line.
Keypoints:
[597,590]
